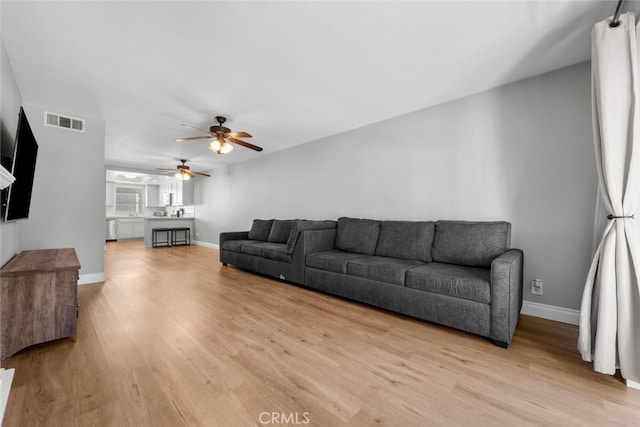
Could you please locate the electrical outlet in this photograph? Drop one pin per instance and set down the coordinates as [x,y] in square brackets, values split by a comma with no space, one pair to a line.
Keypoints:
[536,287]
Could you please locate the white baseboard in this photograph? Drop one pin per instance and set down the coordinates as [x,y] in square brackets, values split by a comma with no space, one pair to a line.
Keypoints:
[206,244]
[633,384]
[6,377]
[86,279]
[551,312]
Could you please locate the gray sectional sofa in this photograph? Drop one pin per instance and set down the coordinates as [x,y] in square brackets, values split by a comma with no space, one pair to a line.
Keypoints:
[272,247]
[456,273]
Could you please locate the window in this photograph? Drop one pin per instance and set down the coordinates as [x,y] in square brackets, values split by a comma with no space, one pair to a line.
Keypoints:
[130,200]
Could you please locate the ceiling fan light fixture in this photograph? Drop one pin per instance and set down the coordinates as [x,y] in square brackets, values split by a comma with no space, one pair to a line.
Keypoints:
[215,146]
[183,176]
[226,148]
[220,146]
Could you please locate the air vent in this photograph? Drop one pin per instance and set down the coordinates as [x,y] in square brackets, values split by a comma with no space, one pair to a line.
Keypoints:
[65,122]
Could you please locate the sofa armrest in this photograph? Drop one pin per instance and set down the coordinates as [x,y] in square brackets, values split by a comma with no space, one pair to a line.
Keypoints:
[303,225]
[230,235]
[506,295]
[312,241]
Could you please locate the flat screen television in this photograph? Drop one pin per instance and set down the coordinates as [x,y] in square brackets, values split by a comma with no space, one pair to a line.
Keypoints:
[16,199]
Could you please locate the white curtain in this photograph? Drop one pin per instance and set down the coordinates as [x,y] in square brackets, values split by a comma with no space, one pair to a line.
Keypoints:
[610,311]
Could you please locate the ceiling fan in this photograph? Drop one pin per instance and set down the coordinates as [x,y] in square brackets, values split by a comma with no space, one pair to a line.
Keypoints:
[223,137]
[184,172]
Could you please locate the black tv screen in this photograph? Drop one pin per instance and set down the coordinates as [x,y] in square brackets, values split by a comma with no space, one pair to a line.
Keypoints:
[23,166]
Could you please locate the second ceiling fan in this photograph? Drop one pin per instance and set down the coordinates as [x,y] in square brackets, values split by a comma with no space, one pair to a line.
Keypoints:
[183,171]
[223,137]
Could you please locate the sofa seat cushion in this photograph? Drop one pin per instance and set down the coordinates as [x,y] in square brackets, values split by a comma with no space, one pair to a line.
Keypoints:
[276,252]
[453,280]
[382,269]
[235,245]
[333,260]
[406,240]
[254,248]
[357,235]
[470,243]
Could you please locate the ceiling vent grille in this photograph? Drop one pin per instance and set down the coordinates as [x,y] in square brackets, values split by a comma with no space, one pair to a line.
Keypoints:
[65,122]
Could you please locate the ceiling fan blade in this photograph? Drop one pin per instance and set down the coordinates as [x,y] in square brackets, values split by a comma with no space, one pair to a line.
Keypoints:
[200,173]
[196,128]
[237,135]
[245,144]
[191,138]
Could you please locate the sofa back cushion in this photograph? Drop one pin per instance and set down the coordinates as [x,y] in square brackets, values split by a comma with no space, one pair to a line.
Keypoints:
[474,244]
[406,240]
[280,230]
[260,229]
[357,235]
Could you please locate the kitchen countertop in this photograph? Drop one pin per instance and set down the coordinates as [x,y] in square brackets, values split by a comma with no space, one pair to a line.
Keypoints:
[167,217]
[150,217]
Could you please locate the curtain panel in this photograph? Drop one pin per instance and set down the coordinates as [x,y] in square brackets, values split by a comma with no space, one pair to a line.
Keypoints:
[610,311]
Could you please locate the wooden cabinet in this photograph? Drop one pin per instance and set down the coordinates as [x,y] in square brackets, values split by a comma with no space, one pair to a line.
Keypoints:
[130,228]
[39,291]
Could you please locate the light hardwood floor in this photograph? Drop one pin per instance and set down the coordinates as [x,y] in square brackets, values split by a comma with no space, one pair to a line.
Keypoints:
[172,338]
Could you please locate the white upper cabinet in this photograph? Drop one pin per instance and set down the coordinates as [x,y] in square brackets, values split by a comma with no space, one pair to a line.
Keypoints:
[183,193]
[111,194]
[153,197]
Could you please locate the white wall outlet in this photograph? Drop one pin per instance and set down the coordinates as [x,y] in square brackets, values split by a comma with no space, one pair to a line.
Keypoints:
[536,287]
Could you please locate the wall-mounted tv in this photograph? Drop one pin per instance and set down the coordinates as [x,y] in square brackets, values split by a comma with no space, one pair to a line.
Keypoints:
[16,199]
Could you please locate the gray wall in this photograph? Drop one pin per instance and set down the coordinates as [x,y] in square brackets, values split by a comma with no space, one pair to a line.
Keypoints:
[67,204]
[522,153]
[10,102]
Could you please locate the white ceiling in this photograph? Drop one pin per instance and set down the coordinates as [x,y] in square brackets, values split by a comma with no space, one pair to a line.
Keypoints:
[287,72]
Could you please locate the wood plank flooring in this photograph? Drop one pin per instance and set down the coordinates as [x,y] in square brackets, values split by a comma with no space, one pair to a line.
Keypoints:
[172,338]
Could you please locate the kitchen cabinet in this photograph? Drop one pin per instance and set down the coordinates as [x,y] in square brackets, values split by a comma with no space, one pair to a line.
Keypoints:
[111,194]
[153,197]
[177,193]
[130,228]
[165,189]
[183,194]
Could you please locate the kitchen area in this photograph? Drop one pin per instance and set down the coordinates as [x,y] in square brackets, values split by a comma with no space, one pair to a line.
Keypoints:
[137,202]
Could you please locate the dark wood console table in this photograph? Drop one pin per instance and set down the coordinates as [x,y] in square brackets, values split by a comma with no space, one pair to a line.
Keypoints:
[38,299]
